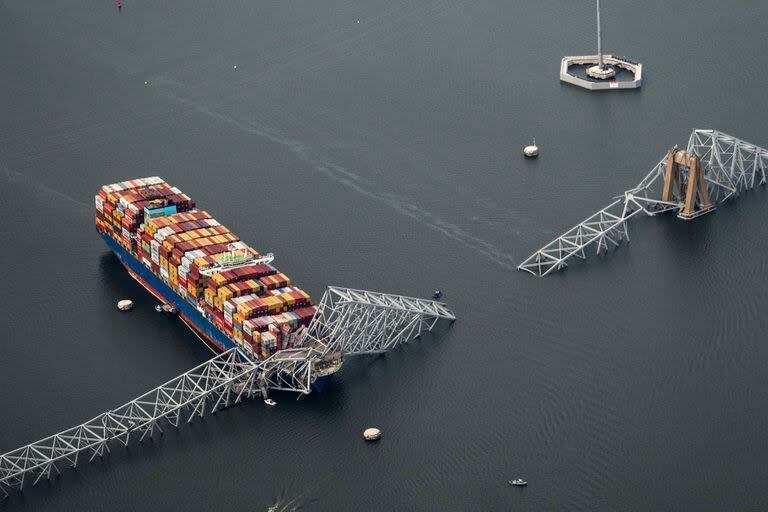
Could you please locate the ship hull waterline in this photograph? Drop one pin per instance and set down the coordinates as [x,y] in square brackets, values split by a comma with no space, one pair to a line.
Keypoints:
[189,314]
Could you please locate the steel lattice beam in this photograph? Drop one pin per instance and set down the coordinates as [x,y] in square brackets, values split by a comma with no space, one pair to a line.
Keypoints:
[729,166]
[215,384]
[363,322]
[349,321]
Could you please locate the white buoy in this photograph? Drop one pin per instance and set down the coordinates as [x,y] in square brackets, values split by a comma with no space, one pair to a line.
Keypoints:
[531,151]
[372,434]
[235,66]
[125,305]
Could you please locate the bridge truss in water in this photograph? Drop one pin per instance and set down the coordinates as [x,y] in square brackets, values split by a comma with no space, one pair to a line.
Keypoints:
[714,167]
[348,322]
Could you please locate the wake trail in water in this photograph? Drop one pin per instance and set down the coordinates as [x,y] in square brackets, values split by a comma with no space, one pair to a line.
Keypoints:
[15,178]
[360,185]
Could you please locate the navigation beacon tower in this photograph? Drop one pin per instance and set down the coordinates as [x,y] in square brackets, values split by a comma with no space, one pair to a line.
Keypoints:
[601,73]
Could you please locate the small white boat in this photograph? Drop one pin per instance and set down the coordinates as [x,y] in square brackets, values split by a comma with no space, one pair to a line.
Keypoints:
[270,402]
[518,482]
[165,308]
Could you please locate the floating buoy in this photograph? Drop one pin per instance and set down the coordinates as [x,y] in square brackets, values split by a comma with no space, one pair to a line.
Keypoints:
[531,151]
[125,305]
[235,66]
[372,434]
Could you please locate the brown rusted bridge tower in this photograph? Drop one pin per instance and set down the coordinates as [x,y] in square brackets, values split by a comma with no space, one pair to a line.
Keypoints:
[684,183]
[713,168]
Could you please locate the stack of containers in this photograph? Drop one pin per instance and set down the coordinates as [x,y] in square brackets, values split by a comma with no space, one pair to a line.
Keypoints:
[254,304]
[122,207]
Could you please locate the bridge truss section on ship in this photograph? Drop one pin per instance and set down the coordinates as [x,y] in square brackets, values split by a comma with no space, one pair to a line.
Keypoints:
[348,322]
[728,166]
[362,322]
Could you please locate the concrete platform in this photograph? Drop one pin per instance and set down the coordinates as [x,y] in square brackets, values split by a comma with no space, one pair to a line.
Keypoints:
[596,84]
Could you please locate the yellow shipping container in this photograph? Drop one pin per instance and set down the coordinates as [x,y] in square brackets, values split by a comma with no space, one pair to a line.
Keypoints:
[193,290]
[218,279]
[209,295]
[225,293]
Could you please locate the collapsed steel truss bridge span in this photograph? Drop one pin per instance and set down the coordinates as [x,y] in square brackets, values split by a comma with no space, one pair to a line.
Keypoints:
[713,168]
[348,322]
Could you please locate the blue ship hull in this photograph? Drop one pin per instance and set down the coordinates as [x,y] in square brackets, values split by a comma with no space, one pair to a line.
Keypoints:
[194,319]
[164,293]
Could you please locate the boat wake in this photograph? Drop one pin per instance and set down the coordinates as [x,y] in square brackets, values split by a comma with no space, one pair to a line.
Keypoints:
[356,183]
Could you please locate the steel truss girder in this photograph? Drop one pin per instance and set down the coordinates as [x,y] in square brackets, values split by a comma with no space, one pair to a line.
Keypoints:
[363,322]
[290,370]
[347,317]
[729,166]
[213,385]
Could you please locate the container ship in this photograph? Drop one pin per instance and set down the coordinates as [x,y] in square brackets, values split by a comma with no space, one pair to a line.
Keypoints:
[224,290]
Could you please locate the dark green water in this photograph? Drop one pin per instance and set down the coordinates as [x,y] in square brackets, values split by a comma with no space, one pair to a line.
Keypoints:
[385,155]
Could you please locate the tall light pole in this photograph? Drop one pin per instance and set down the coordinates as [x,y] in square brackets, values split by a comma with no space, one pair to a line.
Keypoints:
[600,71]
[599,40]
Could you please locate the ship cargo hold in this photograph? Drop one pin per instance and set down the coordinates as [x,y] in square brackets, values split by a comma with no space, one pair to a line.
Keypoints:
[223,289]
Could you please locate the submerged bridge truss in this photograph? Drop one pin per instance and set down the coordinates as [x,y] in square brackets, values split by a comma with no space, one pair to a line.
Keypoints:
[348,322]
[728,166]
